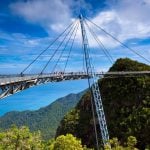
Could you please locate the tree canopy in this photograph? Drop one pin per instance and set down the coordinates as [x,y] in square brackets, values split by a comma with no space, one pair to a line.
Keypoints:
[20,139]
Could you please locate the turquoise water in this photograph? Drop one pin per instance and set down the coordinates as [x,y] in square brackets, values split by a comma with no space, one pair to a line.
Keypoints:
[40,96]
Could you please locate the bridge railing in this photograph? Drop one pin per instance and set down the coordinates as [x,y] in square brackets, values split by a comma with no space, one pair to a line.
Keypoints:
[15,79]
[5,79]
[11,79]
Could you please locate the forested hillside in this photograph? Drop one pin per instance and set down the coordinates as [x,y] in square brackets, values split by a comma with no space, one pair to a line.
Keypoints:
[45,119]
[23,139]
[126,103]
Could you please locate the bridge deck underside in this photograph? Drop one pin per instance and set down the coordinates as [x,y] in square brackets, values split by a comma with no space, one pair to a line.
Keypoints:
[9,86]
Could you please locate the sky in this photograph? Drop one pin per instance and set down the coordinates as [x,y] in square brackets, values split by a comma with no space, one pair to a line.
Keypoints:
[28,26]
[40,96]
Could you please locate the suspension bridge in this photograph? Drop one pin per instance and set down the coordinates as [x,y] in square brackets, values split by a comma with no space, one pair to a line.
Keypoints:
[13,83]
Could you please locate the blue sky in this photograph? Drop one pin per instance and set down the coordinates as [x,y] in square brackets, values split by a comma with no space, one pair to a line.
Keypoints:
[40,96]
[28,26]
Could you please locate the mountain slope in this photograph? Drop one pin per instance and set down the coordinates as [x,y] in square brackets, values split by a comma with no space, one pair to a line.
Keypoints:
[126,103]
[45,119]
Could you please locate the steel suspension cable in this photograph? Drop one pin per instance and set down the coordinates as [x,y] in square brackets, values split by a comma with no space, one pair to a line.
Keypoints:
[119,41]
[65,46]
[100,44]
[56,50]
[70,49]
[48,46]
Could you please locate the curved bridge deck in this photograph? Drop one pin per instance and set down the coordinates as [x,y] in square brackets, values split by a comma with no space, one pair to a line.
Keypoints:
[10,84]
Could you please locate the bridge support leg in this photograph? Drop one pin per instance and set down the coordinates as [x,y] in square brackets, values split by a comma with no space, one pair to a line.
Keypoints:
[94,86]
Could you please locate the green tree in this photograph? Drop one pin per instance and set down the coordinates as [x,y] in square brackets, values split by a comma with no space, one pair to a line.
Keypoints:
[115,144]
[68,142]
[131,143]
[20,139]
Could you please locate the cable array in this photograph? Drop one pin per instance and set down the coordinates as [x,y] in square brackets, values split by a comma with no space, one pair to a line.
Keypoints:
[73,31]
[65,39]
[113,37]
[52,43]
[101,45]
[70,50]
[56,50]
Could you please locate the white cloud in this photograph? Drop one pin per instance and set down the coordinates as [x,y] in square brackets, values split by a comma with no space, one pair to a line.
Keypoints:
[42,11]
[17,43]
[51,14]
[125,20]
[46,12]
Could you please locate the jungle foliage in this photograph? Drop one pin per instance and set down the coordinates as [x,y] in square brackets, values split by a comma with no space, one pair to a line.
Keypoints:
[126,103]
[22,138]
[45,119]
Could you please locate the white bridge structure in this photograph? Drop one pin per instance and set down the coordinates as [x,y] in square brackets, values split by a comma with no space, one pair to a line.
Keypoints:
[11,84]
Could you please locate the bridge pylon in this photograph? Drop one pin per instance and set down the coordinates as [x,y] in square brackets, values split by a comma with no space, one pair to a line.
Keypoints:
[93,85]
